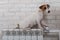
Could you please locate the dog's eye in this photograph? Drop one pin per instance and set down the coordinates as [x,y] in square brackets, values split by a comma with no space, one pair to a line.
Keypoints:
[44,7]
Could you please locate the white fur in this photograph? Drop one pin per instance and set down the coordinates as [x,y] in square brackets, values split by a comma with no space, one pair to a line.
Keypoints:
[31,20]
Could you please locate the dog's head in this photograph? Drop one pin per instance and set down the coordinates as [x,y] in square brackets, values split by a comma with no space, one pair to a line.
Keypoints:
[45,7]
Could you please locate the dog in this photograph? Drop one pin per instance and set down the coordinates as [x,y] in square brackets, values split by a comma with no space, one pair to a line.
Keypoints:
[35,18]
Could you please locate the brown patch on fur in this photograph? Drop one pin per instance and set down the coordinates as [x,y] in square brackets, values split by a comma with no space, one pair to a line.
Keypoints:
[44,7]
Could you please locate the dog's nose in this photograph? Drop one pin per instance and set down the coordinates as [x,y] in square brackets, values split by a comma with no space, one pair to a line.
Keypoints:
[48,11]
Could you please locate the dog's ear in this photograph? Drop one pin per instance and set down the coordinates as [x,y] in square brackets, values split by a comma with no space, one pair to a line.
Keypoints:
[48,5]
[40,7]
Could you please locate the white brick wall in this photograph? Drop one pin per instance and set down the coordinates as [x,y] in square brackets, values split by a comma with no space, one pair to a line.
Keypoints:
[11,12]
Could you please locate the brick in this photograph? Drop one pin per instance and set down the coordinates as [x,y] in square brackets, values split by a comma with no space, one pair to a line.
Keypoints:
[51,17]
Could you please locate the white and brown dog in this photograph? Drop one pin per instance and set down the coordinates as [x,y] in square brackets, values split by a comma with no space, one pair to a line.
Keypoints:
[36,18]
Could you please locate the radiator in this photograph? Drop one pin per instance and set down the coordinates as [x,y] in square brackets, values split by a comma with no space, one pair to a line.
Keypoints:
[33,34]
[19,34]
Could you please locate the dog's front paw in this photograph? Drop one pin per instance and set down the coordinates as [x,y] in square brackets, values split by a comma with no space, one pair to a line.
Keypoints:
[46,29]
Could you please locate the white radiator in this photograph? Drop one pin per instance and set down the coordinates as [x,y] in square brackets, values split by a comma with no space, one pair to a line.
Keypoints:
[33,34]
[10,34]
